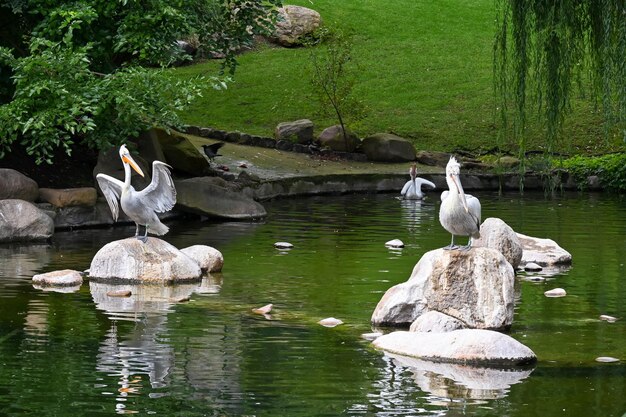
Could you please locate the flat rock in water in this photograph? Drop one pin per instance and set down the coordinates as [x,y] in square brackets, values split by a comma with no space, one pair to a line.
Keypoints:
[133,261]
[609,319]
[371,336]
[63,278]
[209,258]
[531,266]
[330,322]
[545,252]
[556,292]
[469,346]
[266,309]
[395,243]
[283,245]
[606,359]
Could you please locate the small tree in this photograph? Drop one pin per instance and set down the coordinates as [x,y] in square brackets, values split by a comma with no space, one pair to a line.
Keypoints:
[332,79]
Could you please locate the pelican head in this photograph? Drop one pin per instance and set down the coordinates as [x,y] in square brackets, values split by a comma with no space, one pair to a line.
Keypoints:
[128,160]
[413,171]
[453,172]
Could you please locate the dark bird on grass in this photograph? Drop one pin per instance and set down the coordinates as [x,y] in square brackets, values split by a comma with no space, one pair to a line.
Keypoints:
[140,206]
[211,150]
[459,213]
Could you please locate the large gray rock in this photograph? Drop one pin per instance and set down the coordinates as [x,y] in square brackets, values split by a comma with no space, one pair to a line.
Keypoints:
[544,252]
[294,23]
[332,137]
[209,196]
[462,382]
[23,221]
[475,287]
[387,147]
[496,234]
[16,186]
[209,259]
[469,346]
[181,153]
[133,261]
[436,322]
[299,131]
[432,158]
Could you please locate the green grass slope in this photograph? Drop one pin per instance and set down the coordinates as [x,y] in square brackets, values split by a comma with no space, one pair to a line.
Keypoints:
[424,73]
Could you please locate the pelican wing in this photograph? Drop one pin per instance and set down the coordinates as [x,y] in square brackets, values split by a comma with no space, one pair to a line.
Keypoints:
[421,181]
[112,190]
[474,209]
[406,187]
[160,194]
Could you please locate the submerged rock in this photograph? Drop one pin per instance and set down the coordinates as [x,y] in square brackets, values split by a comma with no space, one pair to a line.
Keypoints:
[63,278]
[531,266]
[545,252]
[469,346]
[283,245]
[474,287]
[22,221]
[556,292]
[131,260]
[208,258]
[606,359]
[609,319]
[330,322]
[266,309]
[395,243]
[455,381]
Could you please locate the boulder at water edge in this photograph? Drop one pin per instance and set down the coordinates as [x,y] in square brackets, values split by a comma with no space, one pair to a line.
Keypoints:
[471,346]
[133,261]
[63,278]
[23,221]
[544,252]
[475,287]
[496,234]
[209,259]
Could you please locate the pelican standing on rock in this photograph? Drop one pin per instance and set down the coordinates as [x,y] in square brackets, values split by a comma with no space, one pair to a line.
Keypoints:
[412,190]
[459,213]
[140,206]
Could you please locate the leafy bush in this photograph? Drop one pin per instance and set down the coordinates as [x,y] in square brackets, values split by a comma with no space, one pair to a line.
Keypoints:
[611,169]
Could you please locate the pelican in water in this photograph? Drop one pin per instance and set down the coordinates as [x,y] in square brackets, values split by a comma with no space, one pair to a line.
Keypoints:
[412,190]
[140,206]
[459,213]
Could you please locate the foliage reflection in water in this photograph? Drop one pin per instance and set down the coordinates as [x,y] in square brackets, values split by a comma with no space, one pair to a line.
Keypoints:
[85,353]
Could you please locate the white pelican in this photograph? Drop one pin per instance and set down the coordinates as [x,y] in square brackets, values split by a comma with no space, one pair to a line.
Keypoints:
[412,190]
[459,213]
[140,206]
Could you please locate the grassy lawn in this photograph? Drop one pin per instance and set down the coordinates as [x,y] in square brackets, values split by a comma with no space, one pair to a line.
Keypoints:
[424,73]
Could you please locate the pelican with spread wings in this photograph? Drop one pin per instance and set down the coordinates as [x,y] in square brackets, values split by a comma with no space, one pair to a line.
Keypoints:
[412,190]
[140,206]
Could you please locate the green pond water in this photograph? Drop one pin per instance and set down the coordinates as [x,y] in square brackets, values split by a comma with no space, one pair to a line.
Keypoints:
[82,353]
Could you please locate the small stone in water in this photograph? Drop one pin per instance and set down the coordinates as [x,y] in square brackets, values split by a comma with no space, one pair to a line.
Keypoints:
[556,292]
[266,309]
[283,245]
[531,266]
[120,293]
[609,319]
[395,243]
[330,322]
[371,336]
[606,359]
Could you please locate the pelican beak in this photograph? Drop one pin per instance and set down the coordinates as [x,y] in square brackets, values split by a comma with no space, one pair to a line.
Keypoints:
[130,161]
[459,189]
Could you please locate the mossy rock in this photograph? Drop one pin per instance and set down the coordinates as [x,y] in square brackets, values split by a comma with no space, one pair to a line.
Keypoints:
[180,153]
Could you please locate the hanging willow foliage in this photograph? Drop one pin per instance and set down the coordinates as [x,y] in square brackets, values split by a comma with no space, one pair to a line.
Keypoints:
[545,49]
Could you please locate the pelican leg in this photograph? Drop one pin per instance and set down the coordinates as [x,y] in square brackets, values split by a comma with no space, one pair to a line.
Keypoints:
[468,246]
[452,246]
[143,238]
